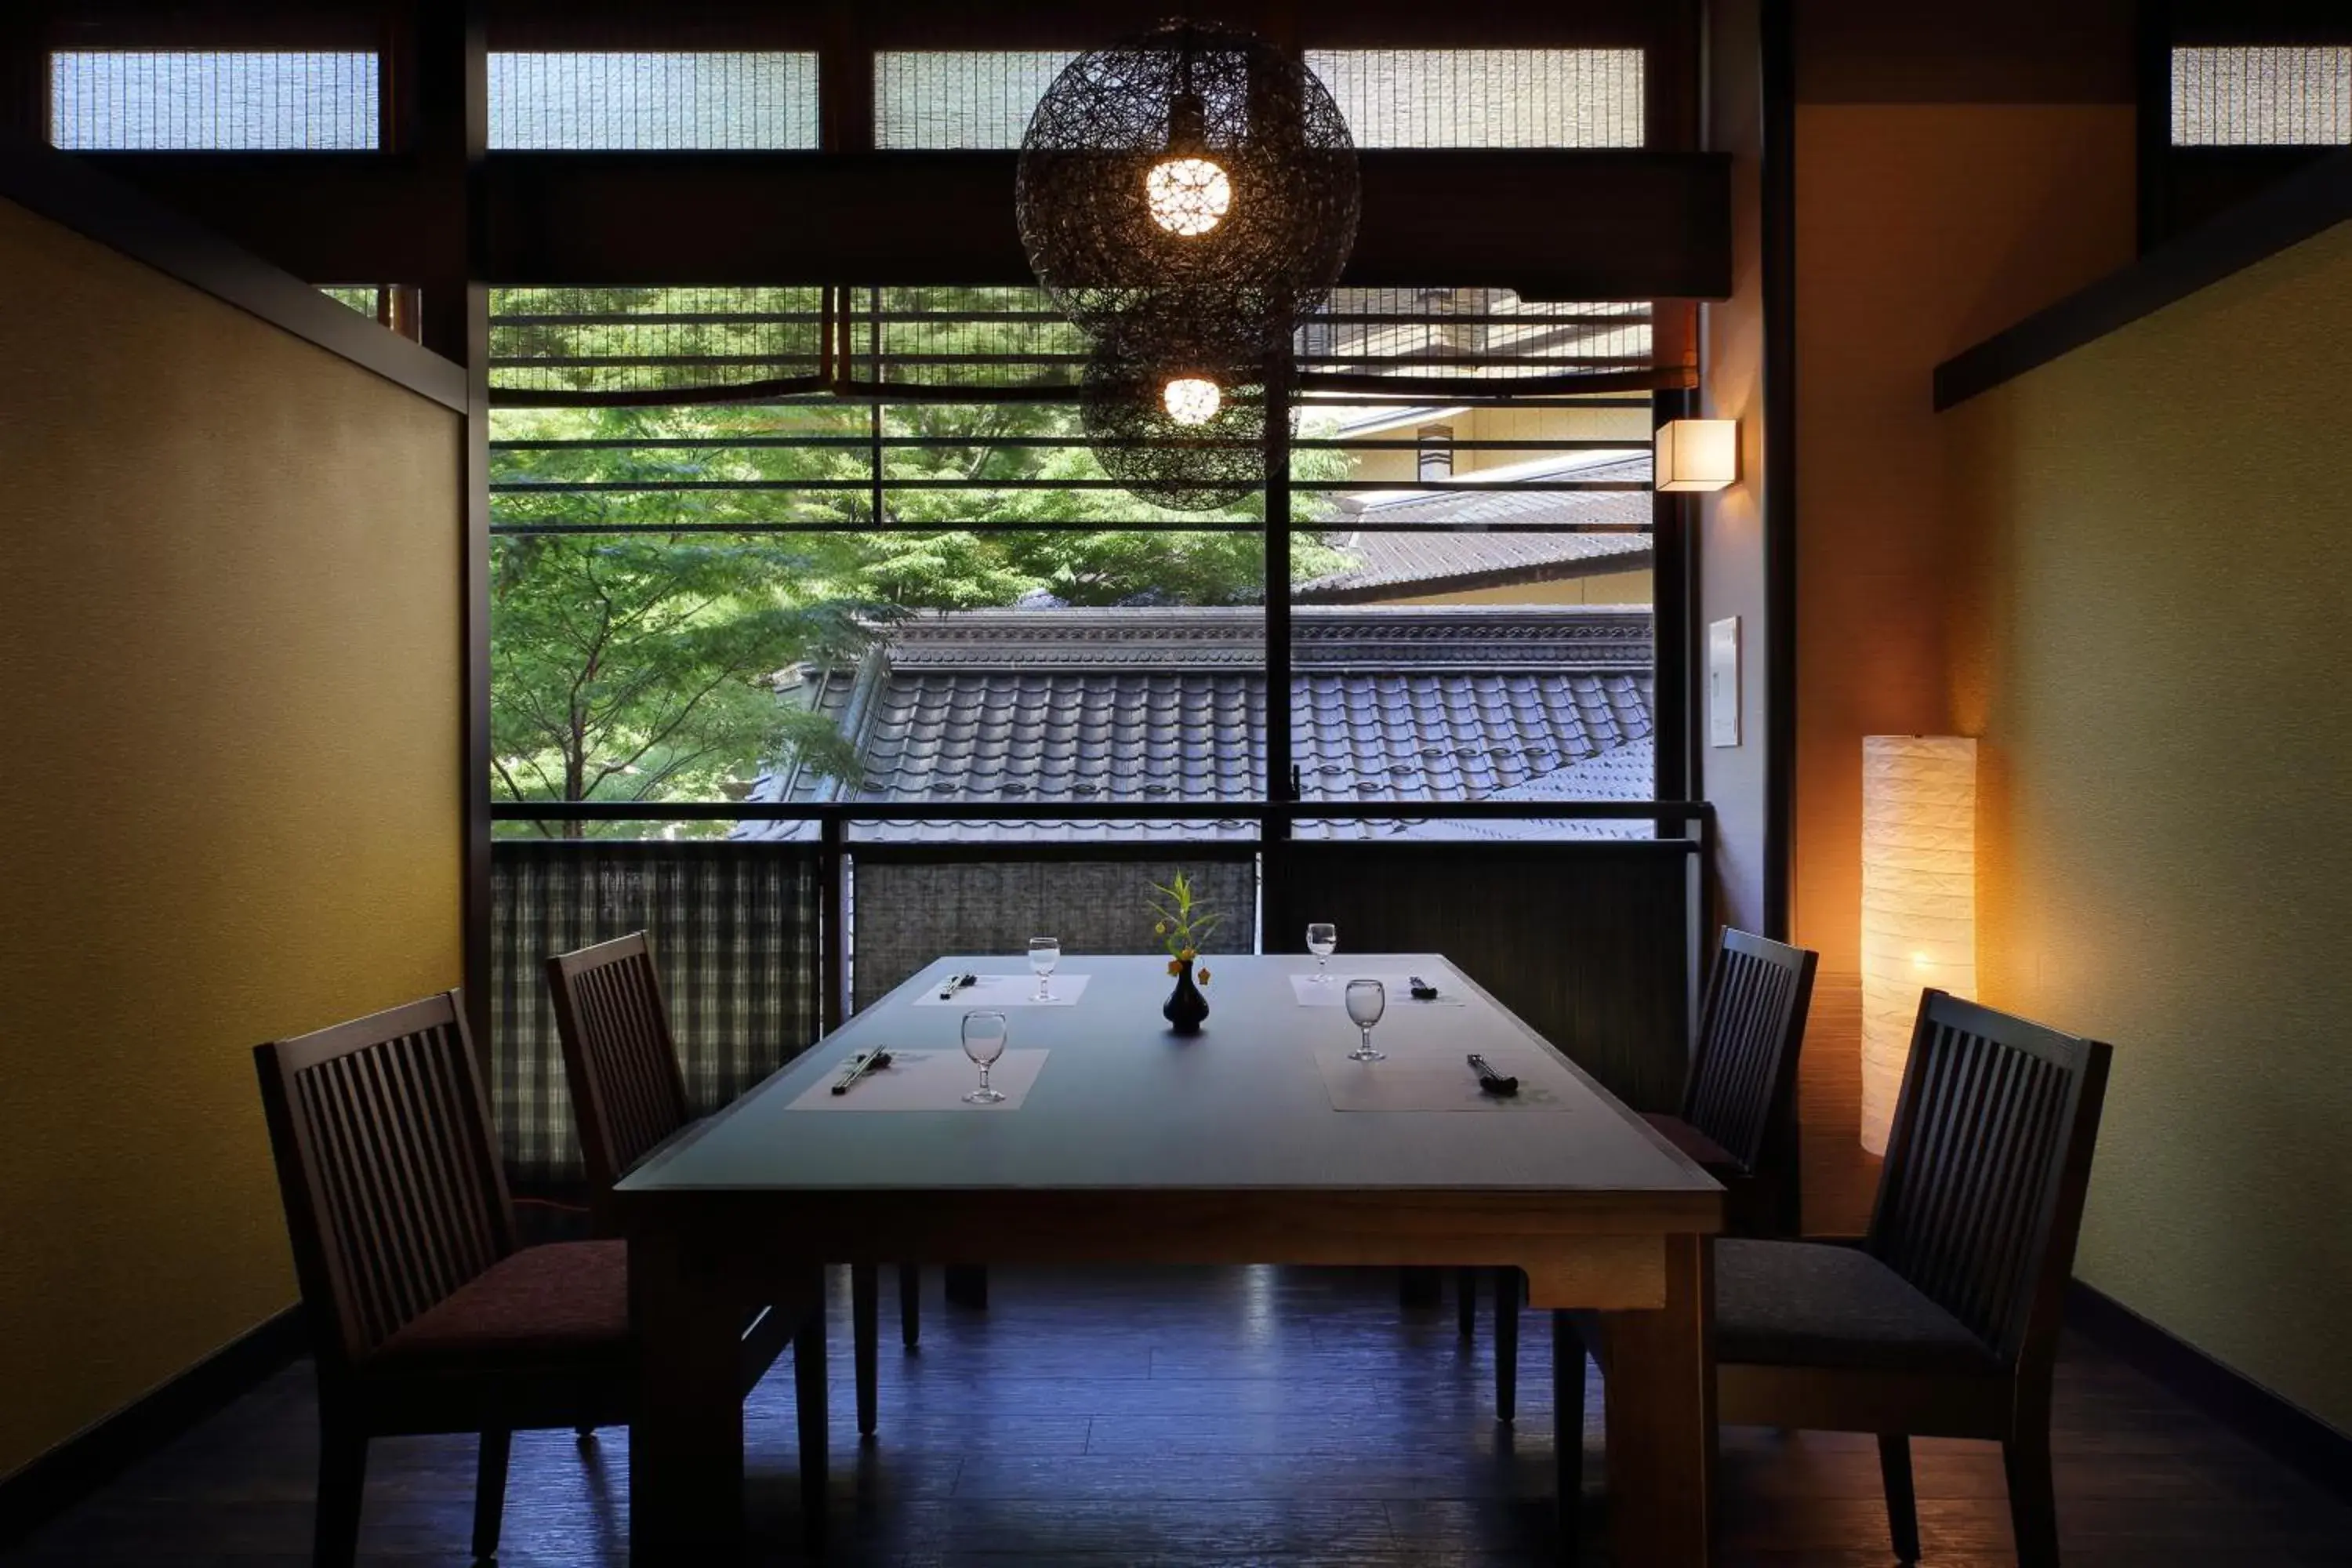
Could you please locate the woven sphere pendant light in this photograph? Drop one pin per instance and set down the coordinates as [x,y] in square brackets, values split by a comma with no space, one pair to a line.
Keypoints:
[1192,172]
[1179,418]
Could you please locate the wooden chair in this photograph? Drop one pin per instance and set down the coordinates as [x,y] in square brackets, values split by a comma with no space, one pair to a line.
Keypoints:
[628,1095]
[1944,1320]
[425,1315]
[1738,1115]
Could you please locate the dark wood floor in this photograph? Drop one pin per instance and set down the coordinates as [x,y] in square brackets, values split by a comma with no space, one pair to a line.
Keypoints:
[1209,1418]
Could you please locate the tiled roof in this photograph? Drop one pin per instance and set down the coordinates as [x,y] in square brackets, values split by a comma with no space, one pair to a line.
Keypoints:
[1447,558]
[1388,707]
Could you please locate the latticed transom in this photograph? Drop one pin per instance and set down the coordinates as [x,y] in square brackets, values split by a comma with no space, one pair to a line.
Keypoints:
[408,1205]
[633,1086]
[1750,1003]
[1971,1185]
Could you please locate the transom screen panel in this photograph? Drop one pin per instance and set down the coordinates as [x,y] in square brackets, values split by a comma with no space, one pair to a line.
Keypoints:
[2264,95]
[654,101]
[960,98]
[137,101]
[1487,97]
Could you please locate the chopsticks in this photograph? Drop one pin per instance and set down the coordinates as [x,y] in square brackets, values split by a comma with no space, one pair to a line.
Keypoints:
[858,1065]
[956,984]
[1490,1081]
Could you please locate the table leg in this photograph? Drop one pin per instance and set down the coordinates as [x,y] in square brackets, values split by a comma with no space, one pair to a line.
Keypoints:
[686,1440]
[1659,1388]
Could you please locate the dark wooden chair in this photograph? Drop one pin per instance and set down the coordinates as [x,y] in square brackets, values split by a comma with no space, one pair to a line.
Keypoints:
[628,1095]
[1738,1115]
[1943,1320]
[425,1315]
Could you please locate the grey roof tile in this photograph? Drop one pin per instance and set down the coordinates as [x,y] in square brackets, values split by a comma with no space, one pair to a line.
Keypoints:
[1387,707]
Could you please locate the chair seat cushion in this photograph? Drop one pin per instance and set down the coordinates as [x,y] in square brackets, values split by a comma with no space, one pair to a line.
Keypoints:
[563,1301]
[1796,1304]
[1696,1144]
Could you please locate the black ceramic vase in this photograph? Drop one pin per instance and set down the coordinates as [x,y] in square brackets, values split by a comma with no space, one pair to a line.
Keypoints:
[1185,1008]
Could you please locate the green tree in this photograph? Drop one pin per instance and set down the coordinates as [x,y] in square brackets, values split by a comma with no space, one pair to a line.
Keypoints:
[639,625]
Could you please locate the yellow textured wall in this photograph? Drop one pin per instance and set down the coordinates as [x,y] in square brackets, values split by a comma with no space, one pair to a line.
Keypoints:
[2156,666]
[1921,229]
[230,627]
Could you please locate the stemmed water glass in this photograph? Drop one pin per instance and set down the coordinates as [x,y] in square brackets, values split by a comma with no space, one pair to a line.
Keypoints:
[1322,939]
[1044,952]
[1367,1000]
[983,1042]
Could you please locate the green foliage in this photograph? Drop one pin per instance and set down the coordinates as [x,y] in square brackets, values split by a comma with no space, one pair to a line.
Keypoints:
[1183,924]
[644,665]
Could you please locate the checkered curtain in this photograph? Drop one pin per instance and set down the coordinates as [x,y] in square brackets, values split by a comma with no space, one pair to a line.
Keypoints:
[733,927]
[909,914]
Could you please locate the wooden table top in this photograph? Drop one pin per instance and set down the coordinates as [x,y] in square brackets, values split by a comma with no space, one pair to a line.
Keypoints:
[1123,1104]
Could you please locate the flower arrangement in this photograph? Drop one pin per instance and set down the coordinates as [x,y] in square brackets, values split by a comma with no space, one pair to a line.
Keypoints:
[1183,924]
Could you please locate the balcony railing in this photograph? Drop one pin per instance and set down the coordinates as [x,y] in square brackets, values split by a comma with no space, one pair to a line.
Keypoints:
[765,944]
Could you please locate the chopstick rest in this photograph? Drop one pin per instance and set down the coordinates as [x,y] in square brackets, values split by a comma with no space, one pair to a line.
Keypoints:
[1423,990]
[1491,1081]
[859,1065]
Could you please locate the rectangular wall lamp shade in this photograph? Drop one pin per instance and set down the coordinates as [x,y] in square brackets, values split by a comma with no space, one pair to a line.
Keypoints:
[1918,899]
[1696,454]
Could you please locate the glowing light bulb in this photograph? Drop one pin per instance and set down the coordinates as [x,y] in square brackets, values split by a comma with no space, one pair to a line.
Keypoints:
[1193,400]
[1187,197]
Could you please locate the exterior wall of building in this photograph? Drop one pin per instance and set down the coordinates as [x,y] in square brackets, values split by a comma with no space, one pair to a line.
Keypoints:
[231,620]
[1600,588]
[2152,659]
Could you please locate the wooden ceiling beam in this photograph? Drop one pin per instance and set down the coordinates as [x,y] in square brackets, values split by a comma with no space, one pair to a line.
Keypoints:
[1551,225]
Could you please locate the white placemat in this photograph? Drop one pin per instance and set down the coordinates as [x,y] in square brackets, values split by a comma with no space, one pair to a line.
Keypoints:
[930,1080]
[1399,989]
[1008,991]
[1441,1082]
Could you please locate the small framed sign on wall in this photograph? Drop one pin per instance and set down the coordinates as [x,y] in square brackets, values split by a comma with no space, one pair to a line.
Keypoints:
[1723,682]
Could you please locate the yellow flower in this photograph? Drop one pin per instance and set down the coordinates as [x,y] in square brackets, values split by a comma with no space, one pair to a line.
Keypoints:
[1188,955]
[1202,977]
[1175,966]
[1160,930]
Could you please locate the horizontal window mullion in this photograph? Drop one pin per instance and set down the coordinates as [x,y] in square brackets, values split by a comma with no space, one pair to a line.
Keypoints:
[1471,488]
[861,484]
[1057,525]
[1120,811]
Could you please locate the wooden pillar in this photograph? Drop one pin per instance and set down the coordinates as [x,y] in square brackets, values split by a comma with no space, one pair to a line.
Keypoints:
[24,75]
[439,94]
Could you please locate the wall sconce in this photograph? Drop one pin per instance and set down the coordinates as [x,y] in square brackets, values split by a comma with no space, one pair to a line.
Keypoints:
[1918,899]
[1696,454]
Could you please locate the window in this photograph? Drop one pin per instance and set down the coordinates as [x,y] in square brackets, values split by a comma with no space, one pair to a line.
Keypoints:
[1483,633]
[960,98]
[2261,95]
[1392,98]
[896,576]
[1437,452]
[652,102]
[1486,97]
[125,101]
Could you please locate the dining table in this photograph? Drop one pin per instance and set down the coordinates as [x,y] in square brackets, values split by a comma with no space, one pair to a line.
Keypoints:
[1119,1142]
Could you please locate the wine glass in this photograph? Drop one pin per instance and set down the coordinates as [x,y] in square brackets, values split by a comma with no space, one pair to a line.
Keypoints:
[1322,939]
[1367,1000]
[1044,952]
[983,1042]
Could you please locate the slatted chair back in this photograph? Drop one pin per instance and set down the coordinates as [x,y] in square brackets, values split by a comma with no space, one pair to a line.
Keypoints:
[1980,1199]
[1744,1081]
[394,1196]
[627,1091]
